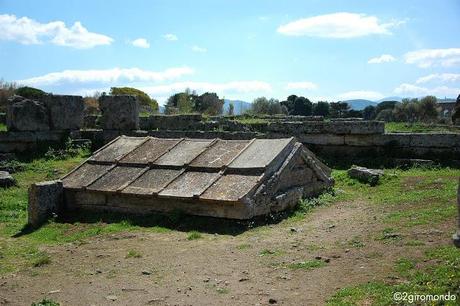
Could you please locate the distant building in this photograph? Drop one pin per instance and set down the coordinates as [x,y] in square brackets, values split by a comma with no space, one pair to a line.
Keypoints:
[447,107]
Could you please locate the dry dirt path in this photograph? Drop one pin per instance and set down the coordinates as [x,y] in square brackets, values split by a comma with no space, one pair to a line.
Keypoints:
[248,269]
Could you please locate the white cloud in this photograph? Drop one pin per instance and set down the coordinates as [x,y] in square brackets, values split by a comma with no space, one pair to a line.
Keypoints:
[170,37]
[219,88]
[199,49]
[141,43]
[441,77]
[385,58]
[28,31]
[302,85]
[106,76]
[361,94]
[433,57]
[417,91]
[337,25]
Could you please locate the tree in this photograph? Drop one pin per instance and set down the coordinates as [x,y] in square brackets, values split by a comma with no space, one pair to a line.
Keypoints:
[369,112]
[30,92]
[321,109]
[385,115]
[262,106]
[7,90]
[209,103]
[180,103]
[231,109]
[339,109]
[146,103]
[428,109]
[302,107]
[385,105]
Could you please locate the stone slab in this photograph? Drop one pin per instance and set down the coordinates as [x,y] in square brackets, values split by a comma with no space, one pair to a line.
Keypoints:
[260,153]
[45,199]
[118,149]
[149,151]
[189,184]
[183,153]
[65,112]
[85,175]
[152,181]
[230,188]
[117,178]
[220,154]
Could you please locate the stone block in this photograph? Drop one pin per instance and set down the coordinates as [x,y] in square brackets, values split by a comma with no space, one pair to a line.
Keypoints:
[45,199]
[120,112]
[365,175]
[66,112]
[26,115]
[6,180]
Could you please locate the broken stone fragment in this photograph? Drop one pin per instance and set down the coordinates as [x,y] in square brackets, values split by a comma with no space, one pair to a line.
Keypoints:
[45,199]
[365,175]
[6,180]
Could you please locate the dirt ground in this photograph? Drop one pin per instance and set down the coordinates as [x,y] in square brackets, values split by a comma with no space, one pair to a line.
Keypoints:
[247,269]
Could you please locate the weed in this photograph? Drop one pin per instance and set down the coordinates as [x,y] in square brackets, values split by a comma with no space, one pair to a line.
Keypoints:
[46,302]
[243,246]
[133,254]
[267,252]
[193,235]
[41,260]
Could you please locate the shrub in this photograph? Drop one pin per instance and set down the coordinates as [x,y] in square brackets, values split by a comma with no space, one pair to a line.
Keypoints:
[30,92]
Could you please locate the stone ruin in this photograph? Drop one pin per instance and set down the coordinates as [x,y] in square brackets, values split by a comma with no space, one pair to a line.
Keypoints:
[236,179]
[52,112]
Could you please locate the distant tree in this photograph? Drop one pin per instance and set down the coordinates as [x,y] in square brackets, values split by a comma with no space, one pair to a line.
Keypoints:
[289,104]
[92,103]
[385,115]
[369,112]
[7,90]
[302,107]
[428,109]
[145,102]
[30,92]
[339,109]
[385,105]
[209,103]
[231,109]
[262,106]
[180,103]
[353,113]
[321,108]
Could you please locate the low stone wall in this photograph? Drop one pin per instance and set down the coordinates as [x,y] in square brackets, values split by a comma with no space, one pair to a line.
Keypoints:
[23,141]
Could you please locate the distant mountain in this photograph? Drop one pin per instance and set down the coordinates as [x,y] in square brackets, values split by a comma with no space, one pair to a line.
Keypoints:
[239,106]
[390,99]
[360,104]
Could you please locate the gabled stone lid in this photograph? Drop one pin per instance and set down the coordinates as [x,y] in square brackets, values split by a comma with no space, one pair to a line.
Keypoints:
[207,169]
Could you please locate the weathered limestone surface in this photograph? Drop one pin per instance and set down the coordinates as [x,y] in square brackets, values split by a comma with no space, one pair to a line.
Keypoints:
[6,180]
[362,174]
[45,199]
[26,115]
[66,112]
[120,112]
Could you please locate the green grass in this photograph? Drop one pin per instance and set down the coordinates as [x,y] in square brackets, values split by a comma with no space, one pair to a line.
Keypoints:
[193,235]
[267,252]
[252,120]
[403,127]
[307,265]
[439,273]
[133,254]
[46,302]
[2,127]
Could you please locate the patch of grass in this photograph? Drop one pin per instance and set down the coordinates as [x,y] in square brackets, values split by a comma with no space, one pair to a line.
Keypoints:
[356,243]
[440,276]
[221,290]
[41,259]
[3,127]
[46,302]
[133,254]
[389,234]
[404,127]
[267,252]
[193,235]
[306,205]
[414,243]
[307,265]
[251,120]
[243,246]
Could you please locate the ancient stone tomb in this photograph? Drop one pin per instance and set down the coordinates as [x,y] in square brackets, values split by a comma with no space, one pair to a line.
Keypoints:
[236,179]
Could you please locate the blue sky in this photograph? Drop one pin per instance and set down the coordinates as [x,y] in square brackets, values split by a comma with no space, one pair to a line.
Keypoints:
[334,50]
